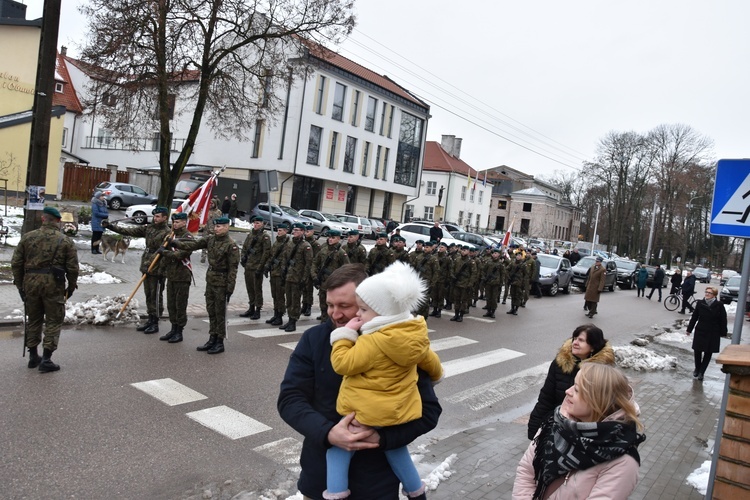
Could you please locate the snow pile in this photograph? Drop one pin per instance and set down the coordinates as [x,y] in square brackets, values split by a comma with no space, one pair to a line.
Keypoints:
[101,311]
[440,473]
[681,337]
[102,278]
[698,479]
[16,314]
[641,359]
[731,308]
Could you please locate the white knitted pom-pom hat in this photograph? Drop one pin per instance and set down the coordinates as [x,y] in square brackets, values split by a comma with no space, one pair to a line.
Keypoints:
[396,290]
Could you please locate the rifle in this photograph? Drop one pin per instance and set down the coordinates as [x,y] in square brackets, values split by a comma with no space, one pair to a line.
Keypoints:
[290,262]
[319,277]
[167,239]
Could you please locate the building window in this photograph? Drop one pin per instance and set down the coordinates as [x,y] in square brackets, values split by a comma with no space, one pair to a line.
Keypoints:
[527,207]
[258,139]
[266,88]
[390,121]
[382,118]
[481,195]
[429,213]
[431,188]
[377,162]
[409,150]
[502,204]
[460,217]
[385,163]
[463,193]
[471,195]
[332,152]
[365,159]
[320,94]
[525,223]
[351,147]
[338,102]
[65,137]
[58,87]
[372,106]
[409,212]
[109,99]
[355,108]
[313,145]
[479,219]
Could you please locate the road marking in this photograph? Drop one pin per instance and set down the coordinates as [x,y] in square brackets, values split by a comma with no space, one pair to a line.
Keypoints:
[169,391]
[284,451]
[228,422]
[268,332]
[450,343]
[289,345]
[481,320]
[485,395]
[477,361]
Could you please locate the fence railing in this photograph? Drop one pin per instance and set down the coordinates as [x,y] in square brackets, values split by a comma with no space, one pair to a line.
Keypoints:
[130,144]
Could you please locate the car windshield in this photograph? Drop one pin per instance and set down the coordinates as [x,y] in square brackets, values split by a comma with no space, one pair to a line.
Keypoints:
[587,261]
[700,270]
[733,281]
[330,217]
[290,211]
[624,264]
[548,261]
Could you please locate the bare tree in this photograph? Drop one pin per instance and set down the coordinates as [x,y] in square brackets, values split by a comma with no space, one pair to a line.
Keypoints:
[222,60]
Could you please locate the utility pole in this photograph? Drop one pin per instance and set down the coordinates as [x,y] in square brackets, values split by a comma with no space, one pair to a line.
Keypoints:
[36,170]
[651,232]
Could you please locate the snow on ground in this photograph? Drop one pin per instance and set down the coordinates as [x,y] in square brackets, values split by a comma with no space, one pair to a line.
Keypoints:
[675,336]
[101,311]
[641,359]
[731,308]
[100,278]
[698,479]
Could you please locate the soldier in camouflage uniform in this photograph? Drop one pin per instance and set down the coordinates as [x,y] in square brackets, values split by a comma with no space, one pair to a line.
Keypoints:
[297,263]
[275,267]
[530,265]
[427,267]
[307,296]
[442,275]
[156,235]
[453,254]
[516,280]
[475,283]
[380,256]
[221,276]
[398,248]
[464,272]
[213,214]
[179,274]
[256,250]
[508,263]
[493,275]
[354,249]
[42,289]
[330,258]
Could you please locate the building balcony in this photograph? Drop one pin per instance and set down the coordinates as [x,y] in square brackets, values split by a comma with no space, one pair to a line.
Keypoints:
[130,144]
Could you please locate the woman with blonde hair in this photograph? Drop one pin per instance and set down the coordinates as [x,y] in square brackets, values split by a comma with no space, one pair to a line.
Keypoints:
[710,322]
[588,448]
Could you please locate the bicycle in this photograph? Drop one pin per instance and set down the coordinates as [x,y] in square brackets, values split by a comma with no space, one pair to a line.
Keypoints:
[674,300]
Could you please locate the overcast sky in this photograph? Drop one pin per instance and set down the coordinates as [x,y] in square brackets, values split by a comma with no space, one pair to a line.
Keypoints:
[552,76]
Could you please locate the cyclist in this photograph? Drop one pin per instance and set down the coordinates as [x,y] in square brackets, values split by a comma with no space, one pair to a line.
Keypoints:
[688,289]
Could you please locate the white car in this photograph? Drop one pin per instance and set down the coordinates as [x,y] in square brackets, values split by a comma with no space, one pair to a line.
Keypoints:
[323,222]
[141,214]
[413,231]
[361,224]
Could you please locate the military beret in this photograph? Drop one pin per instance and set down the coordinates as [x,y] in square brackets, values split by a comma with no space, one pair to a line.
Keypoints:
[53,212]
[418,242]
[334,232]
[282,225]
[256,218]
[466,247]
[298,225]
[179,216]
[221,220]
[354,232]
[382,235]
[430,243]
[451,245]
[495,249]
[160,210]
[599,258]
[309,227]
[399,238]
[443,244]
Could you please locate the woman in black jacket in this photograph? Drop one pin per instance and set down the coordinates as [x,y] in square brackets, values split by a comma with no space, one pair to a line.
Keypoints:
[711,319]
[586,345]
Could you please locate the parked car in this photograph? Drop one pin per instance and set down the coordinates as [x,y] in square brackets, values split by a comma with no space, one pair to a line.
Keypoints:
[324,222]
[452,228]
[581,273]
[413,231]
[538,244]
[555,274]
[584,252]
[725,275]
[627,273]
[361,224]
[377,227]
[651,270]
[731,290]
[280,214]
[141,214]
[119,194]
[475,239]
[702,274]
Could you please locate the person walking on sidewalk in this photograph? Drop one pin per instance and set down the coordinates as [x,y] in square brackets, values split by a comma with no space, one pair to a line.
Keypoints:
[307,402]
[43,260]
[641,280]
[589,447]
[586,345]
[98,214]
[179,273]
[594,286]
[687,289]
[709,320]
[233,208]
[153,286]
[221,276]
[657,283]
[256,250]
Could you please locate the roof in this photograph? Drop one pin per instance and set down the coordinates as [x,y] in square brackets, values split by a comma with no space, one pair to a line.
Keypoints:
[532,191]
[322,53]
[436,159]
[68,97]
[25,117]
[98,73]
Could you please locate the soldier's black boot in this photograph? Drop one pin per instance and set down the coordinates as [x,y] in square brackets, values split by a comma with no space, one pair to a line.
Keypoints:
[34,357]
[503,301]
[306,310]
[249,313]
[145,325]
[460,317]
[278,320]
[47,365]
[256,313]
[455,317]
[474,303]
[169,334]
[154,328]
[208,345]
[434,312]
[291,326]
[273,318]
[488,314]
[177,337]
[438,313]
[492,313]
[448,306]
[217,347]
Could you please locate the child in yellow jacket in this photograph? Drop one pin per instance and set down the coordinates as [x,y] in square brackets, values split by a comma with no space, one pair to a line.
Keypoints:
[380,369]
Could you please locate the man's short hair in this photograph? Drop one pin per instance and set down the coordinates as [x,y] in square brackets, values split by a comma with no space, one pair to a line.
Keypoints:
[348,273]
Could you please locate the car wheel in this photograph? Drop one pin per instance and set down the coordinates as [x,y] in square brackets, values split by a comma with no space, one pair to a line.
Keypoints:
[139,217]
[554,289]
[115,203]
[324,232]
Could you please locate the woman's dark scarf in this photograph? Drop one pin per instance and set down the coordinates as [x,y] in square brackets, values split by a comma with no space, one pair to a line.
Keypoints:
[564,445]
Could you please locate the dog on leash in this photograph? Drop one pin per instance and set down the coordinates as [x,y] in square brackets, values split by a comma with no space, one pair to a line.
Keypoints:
[116,244]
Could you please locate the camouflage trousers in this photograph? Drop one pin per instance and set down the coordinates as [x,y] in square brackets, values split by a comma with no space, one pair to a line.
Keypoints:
[216,306]
[526,290]
[438,295]
[254,286]
[178,293]
[277,294]
[48,311]
[492,294]
[461,297]
[506,291]
[153,287]
[293,296]
[322,300]
[516,295]
[307,294]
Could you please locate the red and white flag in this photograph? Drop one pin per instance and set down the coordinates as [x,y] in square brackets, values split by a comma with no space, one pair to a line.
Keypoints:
[198,204]
[506,238]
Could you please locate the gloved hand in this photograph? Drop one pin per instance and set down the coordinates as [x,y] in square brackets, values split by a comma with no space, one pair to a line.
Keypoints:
[243,261]
[161,251]
[105,223]
[22,294]
[171,242]
[70,290]
[229,295]
[316,283]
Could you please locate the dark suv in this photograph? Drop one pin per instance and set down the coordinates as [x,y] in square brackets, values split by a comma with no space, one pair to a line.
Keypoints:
[581,273]
[627,273]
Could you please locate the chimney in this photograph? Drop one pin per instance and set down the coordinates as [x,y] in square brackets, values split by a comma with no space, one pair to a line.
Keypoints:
[63,50]
[447,143]
[457,148]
